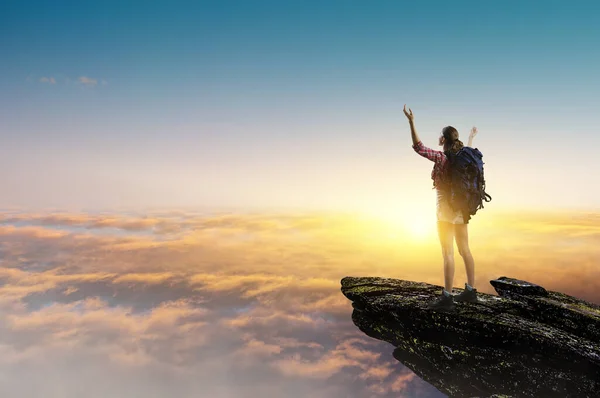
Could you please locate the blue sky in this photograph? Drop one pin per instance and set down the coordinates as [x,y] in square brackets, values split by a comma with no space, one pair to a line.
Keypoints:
[298,104]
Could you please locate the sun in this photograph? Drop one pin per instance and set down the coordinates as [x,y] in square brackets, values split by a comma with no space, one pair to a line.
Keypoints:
[418,228]
[415,225]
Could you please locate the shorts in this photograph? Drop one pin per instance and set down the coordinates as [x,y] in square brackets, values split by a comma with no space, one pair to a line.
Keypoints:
[445,213]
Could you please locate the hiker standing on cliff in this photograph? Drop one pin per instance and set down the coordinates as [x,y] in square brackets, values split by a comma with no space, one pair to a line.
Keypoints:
[451,224]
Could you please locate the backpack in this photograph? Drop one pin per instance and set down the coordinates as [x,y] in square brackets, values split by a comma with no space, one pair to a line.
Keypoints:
[465,181]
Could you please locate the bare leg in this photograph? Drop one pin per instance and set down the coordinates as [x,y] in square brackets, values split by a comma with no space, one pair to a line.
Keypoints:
[461,233]
[446,235]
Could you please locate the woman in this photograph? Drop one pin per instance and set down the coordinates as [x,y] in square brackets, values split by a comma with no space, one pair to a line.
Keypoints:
[450,223]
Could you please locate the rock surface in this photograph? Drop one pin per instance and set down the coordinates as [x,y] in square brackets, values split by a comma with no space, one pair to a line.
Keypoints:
[527,342]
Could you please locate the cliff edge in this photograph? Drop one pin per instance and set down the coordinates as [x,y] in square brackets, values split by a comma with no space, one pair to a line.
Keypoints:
[526,342]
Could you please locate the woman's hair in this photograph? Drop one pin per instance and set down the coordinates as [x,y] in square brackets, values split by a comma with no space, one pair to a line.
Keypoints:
[451,142]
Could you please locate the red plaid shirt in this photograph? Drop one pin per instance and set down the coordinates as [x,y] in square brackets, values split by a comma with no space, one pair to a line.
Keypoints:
[439,160]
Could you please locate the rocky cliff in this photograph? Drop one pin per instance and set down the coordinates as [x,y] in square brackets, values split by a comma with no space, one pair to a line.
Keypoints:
[526,342]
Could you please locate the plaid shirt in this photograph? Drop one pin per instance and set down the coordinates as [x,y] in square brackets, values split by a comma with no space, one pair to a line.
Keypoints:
[439,160]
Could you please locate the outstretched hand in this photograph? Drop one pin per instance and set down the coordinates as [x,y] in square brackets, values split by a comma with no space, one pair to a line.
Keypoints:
[410,115]
[473,132]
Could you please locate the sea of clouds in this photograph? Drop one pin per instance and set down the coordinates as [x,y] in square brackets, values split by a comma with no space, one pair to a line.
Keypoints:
[184,304]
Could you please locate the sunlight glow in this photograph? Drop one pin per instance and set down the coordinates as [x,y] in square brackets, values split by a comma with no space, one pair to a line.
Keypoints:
[414,224]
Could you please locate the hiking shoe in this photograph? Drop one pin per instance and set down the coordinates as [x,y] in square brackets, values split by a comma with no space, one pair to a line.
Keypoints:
[467,296]
[442,303]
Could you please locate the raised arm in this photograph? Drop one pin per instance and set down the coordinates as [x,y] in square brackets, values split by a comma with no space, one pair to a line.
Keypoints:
[433,155]
[471,136]
[411,121]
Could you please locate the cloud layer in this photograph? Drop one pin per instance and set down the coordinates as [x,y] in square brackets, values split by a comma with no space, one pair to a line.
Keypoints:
[228,305]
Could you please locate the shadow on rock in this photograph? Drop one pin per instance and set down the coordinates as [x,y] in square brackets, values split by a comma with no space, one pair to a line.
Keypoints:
[526,342]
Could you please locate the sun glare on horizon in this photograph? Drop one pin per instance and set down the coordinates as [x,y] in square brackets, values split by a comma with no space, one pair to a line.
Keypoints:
[413,224]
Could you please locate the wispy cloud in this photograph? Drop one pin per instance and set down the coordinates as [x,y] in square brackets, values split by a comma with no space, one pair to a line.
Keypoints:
[88,81]
[82,80]
[49,80]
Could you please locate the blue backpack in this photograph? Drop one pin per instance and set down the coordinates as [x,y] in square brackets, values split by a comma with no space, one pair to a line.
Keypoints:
[466,182]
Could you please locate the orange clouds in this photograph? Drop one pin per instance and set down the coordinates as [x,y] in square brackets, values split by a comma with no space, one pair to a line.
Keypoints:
[30,232]
[149,278]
